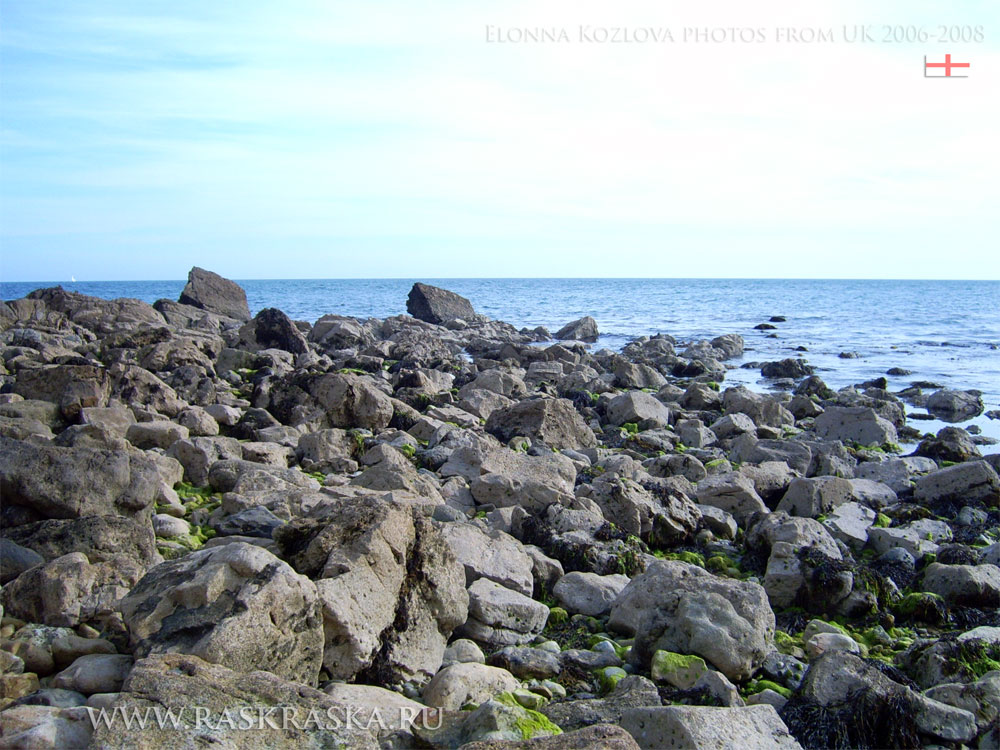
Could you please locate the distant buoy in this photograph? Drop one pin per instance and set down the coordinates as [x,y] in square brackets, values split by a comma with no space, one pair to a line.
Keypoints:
[72,278]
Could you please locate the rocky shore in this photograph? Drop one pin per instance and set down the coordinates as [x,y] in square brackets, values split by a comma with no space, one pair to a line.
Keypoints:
[437,531]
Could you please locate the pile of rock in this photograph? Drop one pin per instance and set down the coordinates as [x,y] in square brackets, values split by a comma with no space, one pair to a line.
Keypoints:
[487,541]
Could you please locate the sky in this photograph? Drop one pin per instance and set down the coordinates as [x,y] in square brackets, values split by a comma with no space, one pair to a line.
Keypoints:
[319,139]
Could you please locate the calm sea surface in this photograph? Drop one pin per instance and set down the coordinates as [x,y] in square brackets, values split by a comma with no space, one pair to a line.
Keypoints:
[947,332]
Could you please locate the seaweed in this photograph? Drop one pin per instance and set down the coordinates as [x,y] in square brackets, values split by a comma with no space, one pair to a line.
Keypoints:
[865,721]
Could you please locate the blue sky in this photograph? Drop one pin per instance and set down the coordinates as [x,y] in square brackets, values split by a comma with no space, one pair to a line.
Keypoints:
[393,139]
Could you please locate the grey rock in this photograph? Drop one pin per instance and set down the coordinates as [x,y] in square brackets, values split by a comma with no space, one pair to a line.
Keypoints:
[974,481]
[236,605]
[209,291]
[678,607]
[583,329]
[392,591]
[733,493]
[454,686]
[95,673]
[955,406]
[751,727]
[964,585]
[499,616]
[179,681]
[438,306]
[589,593]
[639,407]
[490,554]
[857,424]
[553,422]
[812,497]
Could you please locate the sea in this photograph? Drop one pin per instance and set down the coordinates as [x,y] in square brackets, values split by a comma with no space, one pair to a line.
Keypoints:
[943,332]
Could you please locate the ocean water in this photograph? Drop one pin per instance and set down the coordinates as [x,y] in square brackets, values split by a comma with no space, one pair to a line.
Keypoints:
[947,332]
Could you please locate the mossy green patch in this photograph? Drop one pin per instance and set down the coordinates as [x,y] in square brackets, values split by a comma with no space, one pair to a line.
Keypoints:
[882,521]
[532,723]
[558,615]
[757,686]
[631,428]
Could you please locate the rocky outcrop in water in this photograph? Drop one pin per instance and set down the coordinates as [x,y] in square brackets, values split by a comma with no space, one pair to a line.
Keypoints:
[420,515]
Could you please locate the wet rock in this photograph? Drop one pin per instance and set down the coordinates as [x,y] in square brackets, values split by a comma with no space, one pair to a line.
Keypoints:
[835,679]
[438,306]
[236,605]
[272,329]
[583,329]
[950,444]
[15,559]
[633,691]
[955,406]
[209,291]
[787,368]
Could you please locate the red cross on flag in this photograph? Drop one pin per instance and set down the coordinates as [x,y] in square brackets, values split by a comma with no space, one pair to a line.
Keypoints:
[945,68]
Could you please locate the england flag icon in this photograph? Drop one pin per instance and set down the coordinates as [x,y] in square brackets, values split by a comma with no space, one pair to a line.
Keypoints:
[945,68]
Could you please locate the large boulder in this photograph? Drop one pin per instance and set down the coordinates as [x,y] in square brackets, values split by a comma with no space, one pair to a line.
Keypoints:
[679,607]
[499,616]
[505,478]
[955,406]
[597,737]
[639,407]
[70,590]
[100,538]
[51,482]
[552,421]
[583,329]
[352,401]
[974,482]
[209,291]
[964,585]
[703,727]
[838,679]
[391,589]
[732,492]
[459,684]
[72,387]
[272,329]
[763,410]
[854,424]
[438,306]
[815,496]
[589,593]
[236,605]
[254,710]
[490,554]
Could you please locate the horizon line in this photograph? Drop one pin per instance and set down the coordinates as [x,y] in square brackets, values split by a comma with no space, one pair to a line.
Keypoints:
[54,282]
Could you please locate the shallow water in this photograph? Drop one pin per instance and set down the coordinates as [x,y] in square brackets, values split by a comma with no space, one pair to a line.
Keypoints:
[947,332]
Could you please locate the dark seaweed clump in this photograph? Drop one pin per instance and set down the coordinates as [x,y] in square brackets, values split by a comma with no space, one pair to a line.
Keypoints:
[866,721]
